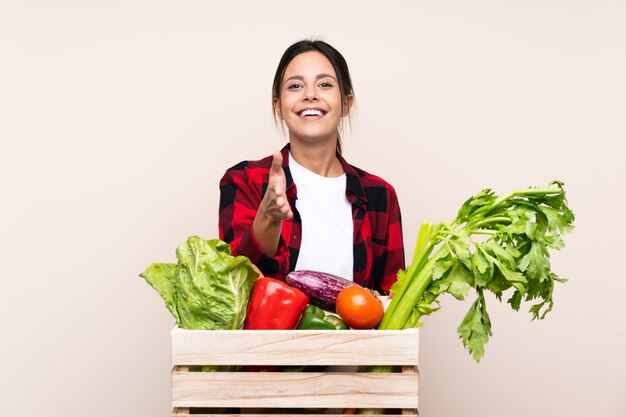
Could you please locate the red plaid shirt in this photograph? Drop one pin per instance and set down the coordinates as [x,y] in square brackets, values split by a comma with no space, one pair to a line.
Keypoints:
[378,246]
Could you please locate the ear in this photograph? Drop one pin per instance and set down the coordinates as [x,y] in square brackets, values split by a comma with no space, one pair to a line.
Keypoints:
[276,103]
[347,105]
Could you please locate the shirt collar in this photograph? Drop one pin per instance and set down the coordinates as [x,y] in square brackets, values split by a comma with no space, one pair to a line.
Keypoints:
[354,188]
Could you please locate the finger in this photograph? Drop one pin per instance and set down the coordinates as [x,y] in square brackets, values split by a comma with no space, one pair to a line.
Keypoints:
[284,208]
[277,163]
[286,212]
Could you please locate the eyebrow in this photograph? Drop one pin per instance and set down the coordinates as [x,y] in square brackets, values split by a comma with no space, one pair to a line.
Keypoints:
[317,77]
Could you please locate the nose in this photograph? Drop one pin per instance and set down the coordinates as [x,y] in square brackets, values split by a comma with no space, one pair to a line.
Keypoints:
[310,93]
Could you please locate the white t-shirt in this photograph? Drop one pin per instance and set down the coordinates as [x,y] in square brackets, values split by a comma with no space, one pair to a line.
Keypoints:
[327,228]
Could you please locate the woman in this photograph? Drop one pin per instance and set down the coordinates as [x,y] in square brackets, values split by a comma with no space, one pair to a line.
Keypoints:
[305,207]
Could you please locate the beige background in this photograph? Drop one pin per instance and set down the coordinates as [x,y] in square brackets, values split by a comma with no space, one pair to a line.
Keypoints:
[118,118]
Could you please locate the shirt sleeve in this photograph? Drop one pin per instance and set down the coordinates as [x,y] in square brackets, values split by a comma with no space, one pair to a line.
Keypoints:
[394,260]
[239,201]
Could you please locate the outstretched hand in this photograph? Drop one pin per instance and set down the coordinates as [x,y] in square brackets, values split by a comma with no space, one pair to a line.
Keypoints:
[275,206]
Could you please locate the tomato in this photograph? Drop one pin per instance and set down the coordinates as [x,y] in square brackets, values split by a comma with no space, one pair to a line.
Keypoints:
[359,308]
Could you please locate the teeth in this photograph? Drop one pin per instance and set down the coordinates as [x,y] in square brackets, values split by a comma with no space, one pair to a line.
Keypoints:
[311,112]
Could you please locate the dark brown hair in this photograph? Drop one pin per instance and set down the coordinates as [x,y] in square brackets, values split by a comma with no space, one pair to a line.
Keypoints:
[336,59]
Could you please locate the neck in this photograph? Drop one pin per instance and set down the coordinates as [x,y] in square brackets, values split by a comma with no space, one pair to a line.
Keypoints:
[320,158]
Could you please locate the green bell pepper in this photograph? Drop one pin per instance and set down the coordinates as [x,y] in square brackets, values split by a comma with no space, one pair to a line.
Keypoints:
[314,318]
[337,322]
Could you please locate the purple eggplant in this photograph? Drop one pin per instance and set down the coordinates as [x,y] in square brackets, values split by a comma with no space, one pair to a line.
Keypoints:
[321,287]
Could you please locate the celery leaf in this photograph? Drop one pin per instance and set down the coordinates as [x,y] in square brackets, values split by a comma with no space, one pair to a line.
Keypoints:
[475,329]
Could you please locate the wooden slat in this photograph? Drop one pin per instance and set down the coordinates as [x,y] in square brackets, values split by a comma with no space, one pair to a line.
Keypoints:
[243,414]
[414,371]
[294,347]
[299,389]
[180,411]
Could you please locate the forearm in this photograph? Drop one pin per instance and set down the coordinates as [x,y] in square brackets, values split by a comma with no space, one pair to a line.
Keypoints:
[267,232]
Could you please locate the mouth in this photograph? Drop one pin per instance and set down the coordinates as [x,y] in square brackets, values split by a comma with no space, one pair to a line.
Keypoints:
[310,114]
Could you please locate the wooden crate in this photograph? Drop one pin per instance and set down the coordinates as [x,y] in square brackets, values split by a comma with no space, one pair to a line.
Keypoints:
[287,393]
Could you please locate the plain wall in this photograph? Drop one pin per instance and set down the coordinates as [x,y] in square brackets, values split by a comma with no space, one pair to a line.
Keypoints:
[118,118]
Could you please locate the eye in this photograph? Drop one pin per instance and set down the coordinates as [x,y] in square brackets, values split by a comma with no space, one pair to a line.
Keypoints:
[293,86]
[326,85]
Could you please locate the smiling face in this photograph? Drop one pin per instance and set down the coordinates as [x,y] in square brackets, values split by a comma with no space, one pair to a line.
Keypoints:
[310,99]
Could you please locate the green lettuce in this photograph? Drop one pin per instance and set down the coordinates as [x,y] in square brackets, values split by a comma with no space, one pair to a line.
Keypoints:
[208,289]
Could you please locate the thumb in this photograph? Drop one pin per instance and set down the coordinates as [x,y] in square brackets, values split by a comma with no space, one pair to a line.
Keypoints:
[277,164]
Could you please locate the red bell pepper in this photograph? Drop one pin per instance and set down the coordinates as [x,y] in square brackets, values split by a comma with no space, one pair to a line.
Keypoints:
[274,305]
